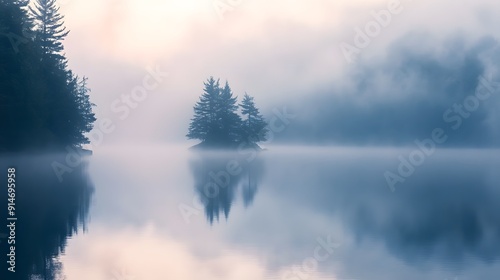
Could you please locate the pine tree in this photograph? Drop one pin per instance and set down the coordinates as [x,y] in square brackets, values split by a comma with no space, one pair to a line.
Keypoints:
[85,117]
[69,114]
[49,28]
[203,125]
[42,103]
[14,20]
[254,126]
[215,120]
[228,119]
[18,60]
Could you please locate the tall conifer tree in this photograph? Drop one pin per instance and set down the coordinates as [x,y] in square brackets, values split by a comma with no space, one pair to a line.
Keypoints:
[254,126]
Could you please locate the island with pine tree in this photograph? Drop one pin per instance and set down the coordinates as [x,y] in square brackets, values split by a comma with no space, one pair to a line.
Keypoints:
[217,124]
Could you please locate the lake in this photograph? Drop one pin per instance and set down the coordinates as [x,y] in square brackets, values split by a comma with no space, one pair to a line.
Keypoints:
[289,212]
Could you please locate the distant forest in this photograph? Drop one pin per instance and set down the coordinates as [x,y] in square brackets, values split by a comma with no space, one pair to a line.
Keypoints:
[216,121]
[43,104]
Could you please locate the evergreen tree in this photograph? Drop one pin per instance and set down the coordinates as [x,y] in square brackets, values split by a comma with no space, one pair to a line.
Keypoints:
[228,119]
[18,63]
[49,28]
[69,114]
[215,120]
[42,103]
[84,108]
[254,126]
[204,124]
[14,19]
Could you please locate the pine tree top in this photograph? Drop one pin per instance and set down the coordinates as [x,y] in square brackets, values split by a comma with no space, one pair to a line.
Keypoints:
[49,27]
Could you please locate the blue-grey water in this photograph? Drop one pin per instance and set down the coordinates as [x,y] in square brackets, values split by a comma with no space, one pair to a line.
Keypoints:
[284,213]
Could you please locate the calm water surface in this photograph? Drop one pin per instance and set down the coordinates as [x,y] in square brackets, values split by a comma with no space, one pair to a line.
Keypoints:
[286,213]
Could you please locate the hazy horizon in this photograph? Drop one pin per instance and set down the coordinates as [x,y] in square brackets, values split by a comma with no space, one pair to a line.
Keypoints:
[289,55]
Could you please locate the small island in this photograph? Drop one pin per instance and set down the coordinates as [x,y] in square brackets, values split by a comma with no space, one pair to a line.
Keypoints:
[217,124]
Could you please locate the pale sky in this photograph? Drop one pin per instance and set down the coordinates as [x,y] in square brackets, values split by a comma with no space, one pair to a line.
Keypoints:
[280,52]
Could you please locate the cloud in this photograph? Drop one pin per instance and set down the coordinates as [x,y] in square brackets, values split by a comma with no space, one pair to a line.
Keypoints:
[401,97]
[286,53]
[148,253]
[107,254]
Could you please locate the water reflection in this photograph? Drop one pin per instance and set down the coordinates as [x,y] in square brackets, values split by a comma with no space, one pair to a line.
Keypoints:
[48,211]
[441,223]
[444,215]
[218,177]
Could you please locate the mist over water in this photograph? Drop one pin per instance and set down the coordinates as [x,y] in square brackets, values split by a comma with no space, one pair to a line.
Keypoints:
[259,215]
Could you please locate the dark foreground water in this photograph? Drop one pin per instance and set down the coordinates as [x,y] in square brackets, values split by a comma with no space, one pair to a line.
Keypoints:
[287,213]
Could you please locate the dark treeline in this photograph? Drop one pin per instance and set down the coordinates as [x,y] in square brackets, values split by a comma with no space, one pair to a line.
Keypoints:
[49,212]
[216,121]
[43,104]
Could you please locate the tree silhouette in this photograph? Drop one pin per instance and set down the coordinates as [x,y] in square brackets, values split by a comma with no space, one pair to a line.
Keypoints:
[42,103]
[87,117]
[228,120]
[216,122]
[254,126]
[49,27]
[17,58]
[203,124]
